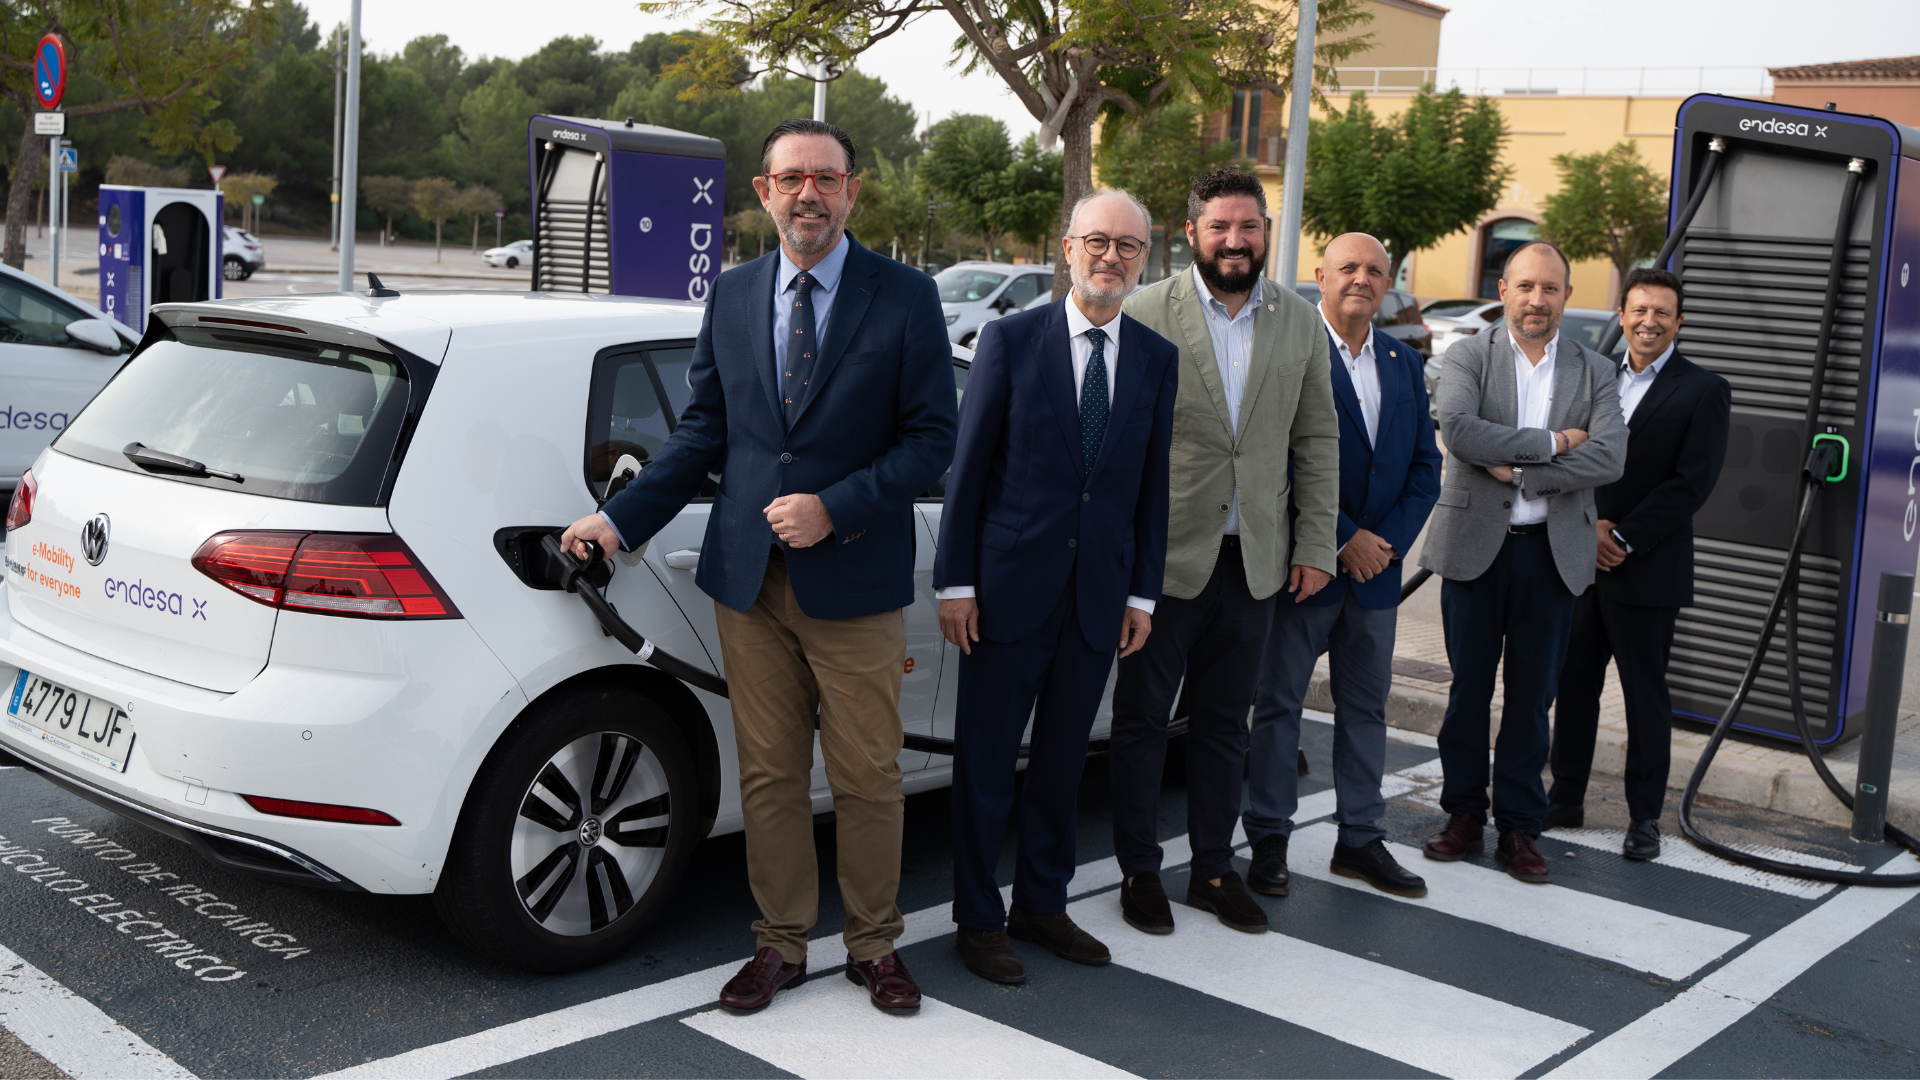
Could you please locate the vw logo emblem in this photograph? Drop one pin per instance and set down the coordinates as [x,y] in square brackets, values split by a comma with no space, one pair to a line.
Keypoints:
[93,539]
[589,832]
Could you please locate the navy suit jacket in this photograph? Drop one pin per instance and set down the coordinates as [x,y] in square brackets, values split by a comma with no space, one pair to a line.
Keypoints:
[1021,512]
[875,430]
[1388,487]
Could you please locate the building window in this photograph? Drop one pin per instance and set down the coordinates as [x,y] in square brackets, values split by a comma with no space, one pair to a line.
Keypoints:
[1499,239]
[1243,123]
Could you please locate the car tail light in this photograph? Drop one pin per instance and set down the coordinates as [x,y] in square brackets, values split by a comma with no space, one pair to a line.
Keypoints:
[359,576]
[20,509]
[1467,330]
[317,811]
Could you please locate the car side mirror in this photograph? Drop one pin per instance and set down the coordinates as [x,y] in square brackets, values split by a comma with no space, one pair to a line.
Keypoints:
[95,334]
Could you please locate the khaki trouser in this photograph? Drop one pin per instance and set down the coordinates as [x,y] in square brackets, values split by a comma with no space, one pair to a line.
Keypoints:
[781,664]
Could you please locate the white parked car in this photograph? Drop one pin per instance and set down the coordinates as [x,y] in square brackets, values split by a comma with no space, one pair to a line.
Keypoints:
[510,256]
[242,254]
[1452,320]
[976,293]
[56,352]
[280,592]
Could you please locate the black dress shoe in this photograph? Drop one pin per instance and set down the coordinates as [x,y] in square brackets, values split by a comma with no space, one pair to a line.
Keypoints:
[1375,865]
[1268,874]
[1643,841]
[1230,902]
[1057,934]
[1143,903]
[1564,817]
[987,954]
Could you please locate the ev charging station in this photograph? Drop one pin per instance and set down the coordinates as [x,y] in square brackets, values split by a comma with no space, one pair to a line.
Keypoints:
[625,209]
[157,246]
[1768,309]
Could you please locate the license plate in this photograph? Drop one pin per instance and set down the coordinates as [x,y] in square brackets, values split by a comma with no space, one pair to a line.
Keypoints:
[77,723]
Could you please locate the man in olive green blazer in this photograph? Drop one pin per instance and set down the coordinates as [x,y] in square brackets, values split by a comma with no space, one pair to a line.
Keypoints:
[1255,388]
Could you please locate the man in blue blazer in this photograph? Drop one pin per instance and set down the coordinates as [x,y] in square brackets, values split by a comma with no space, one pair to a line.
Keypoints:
[1052,549]
[1389,480]
[823,393]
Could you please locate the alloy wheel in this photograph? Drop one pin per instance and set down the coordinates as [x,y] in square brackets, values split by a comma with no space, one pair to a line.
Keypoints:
[591,833]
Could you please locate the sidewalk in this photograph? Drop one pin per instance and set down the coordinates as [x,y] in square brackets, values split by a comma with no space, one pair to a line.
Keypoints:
[1770,775]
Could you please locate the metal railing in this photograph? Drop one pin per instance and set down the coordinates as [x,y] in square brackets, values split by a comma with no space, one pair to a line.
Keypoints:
[1565,82]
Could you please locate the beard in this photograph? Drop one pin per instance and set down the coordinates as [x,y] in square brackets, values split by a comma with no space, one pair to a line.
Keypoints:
[1084,287]
[1516,325]
[1211,273]
[799,242]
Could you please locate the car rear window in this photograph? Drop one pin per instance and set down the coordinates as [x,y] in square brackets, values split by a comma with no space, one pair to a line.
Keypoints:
[304,420]
[959,285]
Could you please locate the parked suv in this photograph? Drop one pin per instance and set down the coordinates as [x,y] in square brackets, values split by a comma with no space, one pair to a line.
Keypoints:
[280,592]
[976,293]
[244,253]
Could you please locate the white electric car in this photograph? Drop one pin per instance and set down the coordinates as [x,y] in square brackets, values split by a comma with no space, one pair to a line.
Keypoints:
[279,592]
[56,352]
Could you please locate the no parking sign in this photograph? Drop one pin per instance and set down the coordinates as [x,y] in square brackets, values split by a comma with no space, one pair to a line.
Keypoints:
[50,71]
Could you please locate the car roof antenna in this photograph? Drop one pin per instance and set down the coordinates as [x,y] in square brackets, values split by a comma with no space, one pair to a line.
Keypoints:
[374,288]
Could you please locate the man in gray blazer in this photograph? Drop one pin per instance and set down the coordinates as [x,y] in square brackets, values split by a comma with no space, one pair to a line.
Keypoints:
[1531,422]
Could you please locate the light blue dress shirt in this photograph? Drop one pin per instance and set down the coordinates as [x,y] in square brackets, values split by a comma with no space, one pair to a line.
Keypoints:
[826,284]
[1232,353]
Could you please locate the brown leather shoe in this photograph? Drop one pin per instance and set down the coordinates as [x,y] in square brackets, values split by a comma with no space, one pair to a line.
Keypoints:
[1521,856]
[889,986]
[1057,934]
[763,976]
[987,954]
[1463,835]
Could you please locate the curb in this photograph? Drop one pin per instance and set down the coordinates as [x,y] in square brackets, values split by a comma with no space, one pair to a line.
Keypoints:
[1794,790]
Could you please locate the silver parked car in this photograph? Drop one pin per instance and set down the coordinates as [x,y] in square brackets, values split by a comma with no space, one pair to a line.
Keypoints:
[976,293]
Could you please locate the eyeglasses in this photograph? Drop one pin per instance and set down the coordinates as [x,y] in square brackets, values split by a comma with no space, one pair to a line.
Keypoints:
[1096,244]
[790,183]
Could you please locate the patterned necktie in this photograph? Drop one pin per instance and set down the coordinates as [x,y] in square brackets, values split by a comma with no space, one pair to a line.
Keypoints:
[801,347]
[1094,407]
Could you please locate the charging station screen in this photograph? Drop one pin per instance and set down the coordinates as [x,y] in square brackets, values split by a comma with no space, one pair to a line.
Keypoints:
[667,224]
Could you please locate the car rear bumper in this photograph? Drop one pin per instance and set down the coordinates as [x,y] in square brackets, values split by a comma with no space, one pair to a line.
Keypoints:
[407,746]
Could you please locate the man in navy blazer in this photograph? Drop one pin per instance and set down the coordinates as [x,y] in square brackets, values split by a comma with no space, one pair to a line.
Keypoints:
[1389,481]
[823,394]
[1052,549]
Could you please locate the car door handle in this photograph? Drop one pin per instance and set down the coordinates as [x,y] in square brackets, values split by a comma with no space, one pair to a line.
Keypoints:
[684,559]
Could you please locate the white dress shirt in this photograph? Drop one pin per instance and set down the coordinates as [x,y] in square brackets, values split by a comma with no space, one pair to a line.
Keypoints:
[1634,385]
[1365,374]
[1533,386]
[1232,354]
[1081,350]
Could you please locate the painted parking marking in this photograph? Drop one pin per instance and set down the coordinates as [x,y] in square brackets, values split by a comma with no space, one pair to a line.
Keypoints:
[1685,856]
[1653,1043]
[72,1032]
[1599,926]
[1427,1024]
[827,1028]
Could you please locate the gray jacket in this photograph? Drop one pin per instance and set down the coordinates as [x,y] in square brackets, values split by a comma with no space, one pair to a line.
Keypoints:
[1478,411]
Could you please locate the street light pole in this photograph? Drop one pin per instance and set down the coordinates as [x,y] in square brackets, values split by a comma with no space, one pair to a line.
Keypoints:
[339,75]
[53,211]
[1294,180]
[350,153]
[820,91]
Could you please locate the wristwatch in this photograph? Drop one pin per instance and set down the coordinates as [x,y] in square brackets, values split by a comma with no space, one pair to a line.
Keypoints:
[1519,477]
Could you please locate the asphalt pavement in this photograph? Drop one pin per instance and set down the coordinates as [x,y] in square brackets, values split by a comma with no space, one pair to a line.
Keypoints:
[139,959]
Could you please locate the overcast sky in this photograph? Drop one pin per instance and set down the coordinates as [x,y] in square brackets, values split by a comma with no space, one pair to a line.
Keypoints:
[1750,34]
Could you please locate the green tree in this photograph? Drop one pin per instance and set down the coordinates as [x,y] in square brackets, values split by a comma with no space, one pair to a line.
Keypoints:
[136,172]
[436,199]
[857,103]
[1064,62]
[162,58]
[1156,158]
[1610,205]
[1427,174]
[240,188]
[892,211]
[966,156]
[756,223]
[388,196]
[478,203]
[1026,196]
[489,142]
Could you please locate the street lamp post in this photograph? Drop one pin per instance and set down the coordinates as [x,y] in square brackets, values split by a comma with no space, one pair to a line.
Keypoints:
[339,75]
[350,153]
[1294,180]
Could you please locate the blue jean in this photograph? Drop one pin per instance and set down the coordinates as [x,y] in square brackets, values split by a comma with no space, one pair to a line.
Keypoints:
[1521,607]
[1359,644]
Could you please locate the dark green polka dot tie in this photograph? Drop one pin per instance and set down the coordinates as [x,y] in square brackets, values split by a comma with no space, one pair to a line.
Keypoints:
[1094,407]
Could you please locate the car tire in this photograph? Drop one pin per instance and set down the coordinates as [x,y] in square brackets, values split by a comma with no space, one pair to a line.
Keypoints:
[513,262]
[535,876]
[233,268]
[246,273]
[967,339]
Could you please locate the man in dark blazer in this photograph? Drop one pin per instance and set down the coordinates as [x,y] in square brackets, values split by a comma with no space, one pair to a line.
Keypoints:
[1052,552]
[823,394]
[1677,416]
[1389,479]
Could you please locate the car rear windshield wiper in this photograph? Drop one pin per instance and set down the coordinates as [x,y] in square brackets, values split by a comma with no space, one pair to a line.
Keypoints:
[160,461]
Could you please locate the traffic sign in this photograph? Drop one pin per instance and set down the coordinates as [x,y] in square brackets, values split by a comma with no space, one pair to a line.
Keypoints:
[217,172]
[259,200]
[50,71]
[69,159]
[49,123]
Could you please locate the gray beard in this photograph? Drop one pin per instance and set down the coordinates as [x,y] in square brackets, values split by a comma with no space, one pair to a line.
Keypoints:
[1084,288]
[800,245]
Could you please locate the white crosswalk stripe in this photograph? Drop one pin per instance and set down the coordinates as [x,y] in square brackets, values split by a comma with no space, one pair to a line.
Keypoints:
[1428,1024]
[1681,855]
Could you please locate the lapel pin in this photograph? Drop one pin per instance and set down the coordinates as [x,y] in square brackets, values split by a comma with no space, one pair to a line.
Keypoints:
[1269,307]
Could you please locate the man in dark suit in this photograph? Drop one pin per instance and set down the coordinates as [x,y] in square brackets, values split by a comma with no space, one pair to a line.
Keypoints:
[1389,479]
[823,393]
[1677,418]
[1052,551]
